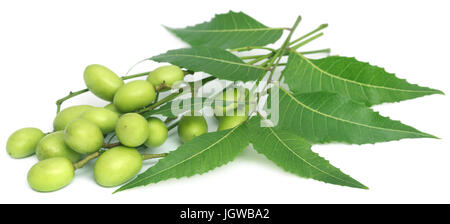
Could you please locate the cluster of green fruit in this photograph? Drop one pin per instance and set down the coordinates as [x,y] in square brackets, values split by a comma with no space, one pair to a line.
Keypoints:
[79,131]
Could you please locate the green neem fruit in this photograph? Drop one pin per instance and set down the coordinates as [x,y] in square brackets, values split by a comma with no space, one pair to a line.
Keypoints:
[83,136]
[53,145]
[22,143]
[112,108]
[132,129]
[157,132]
[51,174]
[105,119]
[102,82]
[228,122]
[134,95]
[67,115]
[168,75]
[191,127]
[117,165]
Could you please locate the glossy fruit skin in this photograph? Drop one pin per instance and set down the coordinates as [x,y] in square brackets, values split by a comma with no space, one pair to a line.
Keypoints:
[22,143]
[67,115]
[157,132]
[102,82]
[228,122]
[168,75]
[53,145]
[83,136]
[105,119]
[51,174]
[117,165]
[191,127]
[134,95]
[132,129]
[112,108]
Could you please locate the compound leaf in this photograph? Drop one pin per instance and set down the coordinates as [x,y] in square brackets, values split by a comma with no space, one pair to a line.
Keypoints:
[294,155]
[217,62]
[322,117]
[197,156]
[347,76]
[230,30]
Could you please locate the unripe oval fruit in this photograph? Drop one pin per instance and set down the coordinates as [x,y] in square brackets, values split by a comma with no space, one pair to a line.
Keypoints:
[105,119]
[112,108]
[134,95]
[22,143]
[83,136]
[157,132]
[53,145]
[191,127]
[168,75]
[51,174]
[67,115]
[228,122]
[102,82]
[117,165]
[132,129]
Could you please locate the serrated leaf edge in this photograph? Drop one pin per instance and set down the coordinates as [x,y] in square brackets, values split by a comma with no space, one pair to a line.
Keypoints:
[352,122]
[313,166]
[364,84]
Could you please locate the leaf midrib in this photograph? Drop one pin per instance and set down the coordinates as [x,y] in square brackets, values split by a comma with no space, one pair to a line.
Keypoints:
[300,157]
[227,30]
[359,83]
[347,121]
[196,154]
[215,59]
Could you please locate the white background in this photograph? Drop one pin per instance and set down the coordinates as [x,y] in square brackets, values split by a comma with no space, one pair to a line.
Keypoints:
[45,46]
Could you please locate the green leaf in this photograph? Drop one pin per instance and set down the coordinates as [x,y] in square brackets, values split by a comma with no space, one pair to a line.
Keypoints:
[230,30]
[217,62]
[197,156]
[294,155]
[166,109]
[329,117]
[359,80]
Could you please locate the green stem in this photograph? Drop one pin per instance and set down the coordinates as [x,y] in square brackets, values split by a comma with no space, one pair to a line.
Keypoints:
[280,52]
[307,41]
[321,27]
[172,126]
[327,50]
[111,145]
[73,94]
[86,159]
[172,96]
[153,156]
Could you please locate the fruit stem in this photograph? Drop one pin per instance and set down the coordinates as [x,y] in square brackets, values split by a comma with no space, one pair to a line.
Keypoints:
[85,160]
[153,156]
[111,145]
[172,125]
[171,97]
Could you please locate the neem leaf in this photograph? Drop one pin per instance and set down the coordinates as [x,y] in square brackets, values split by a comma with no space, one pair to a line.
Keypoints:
[197,156]
[217,62]
[294,155]
[230,30]
[321,117]
[359,80]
